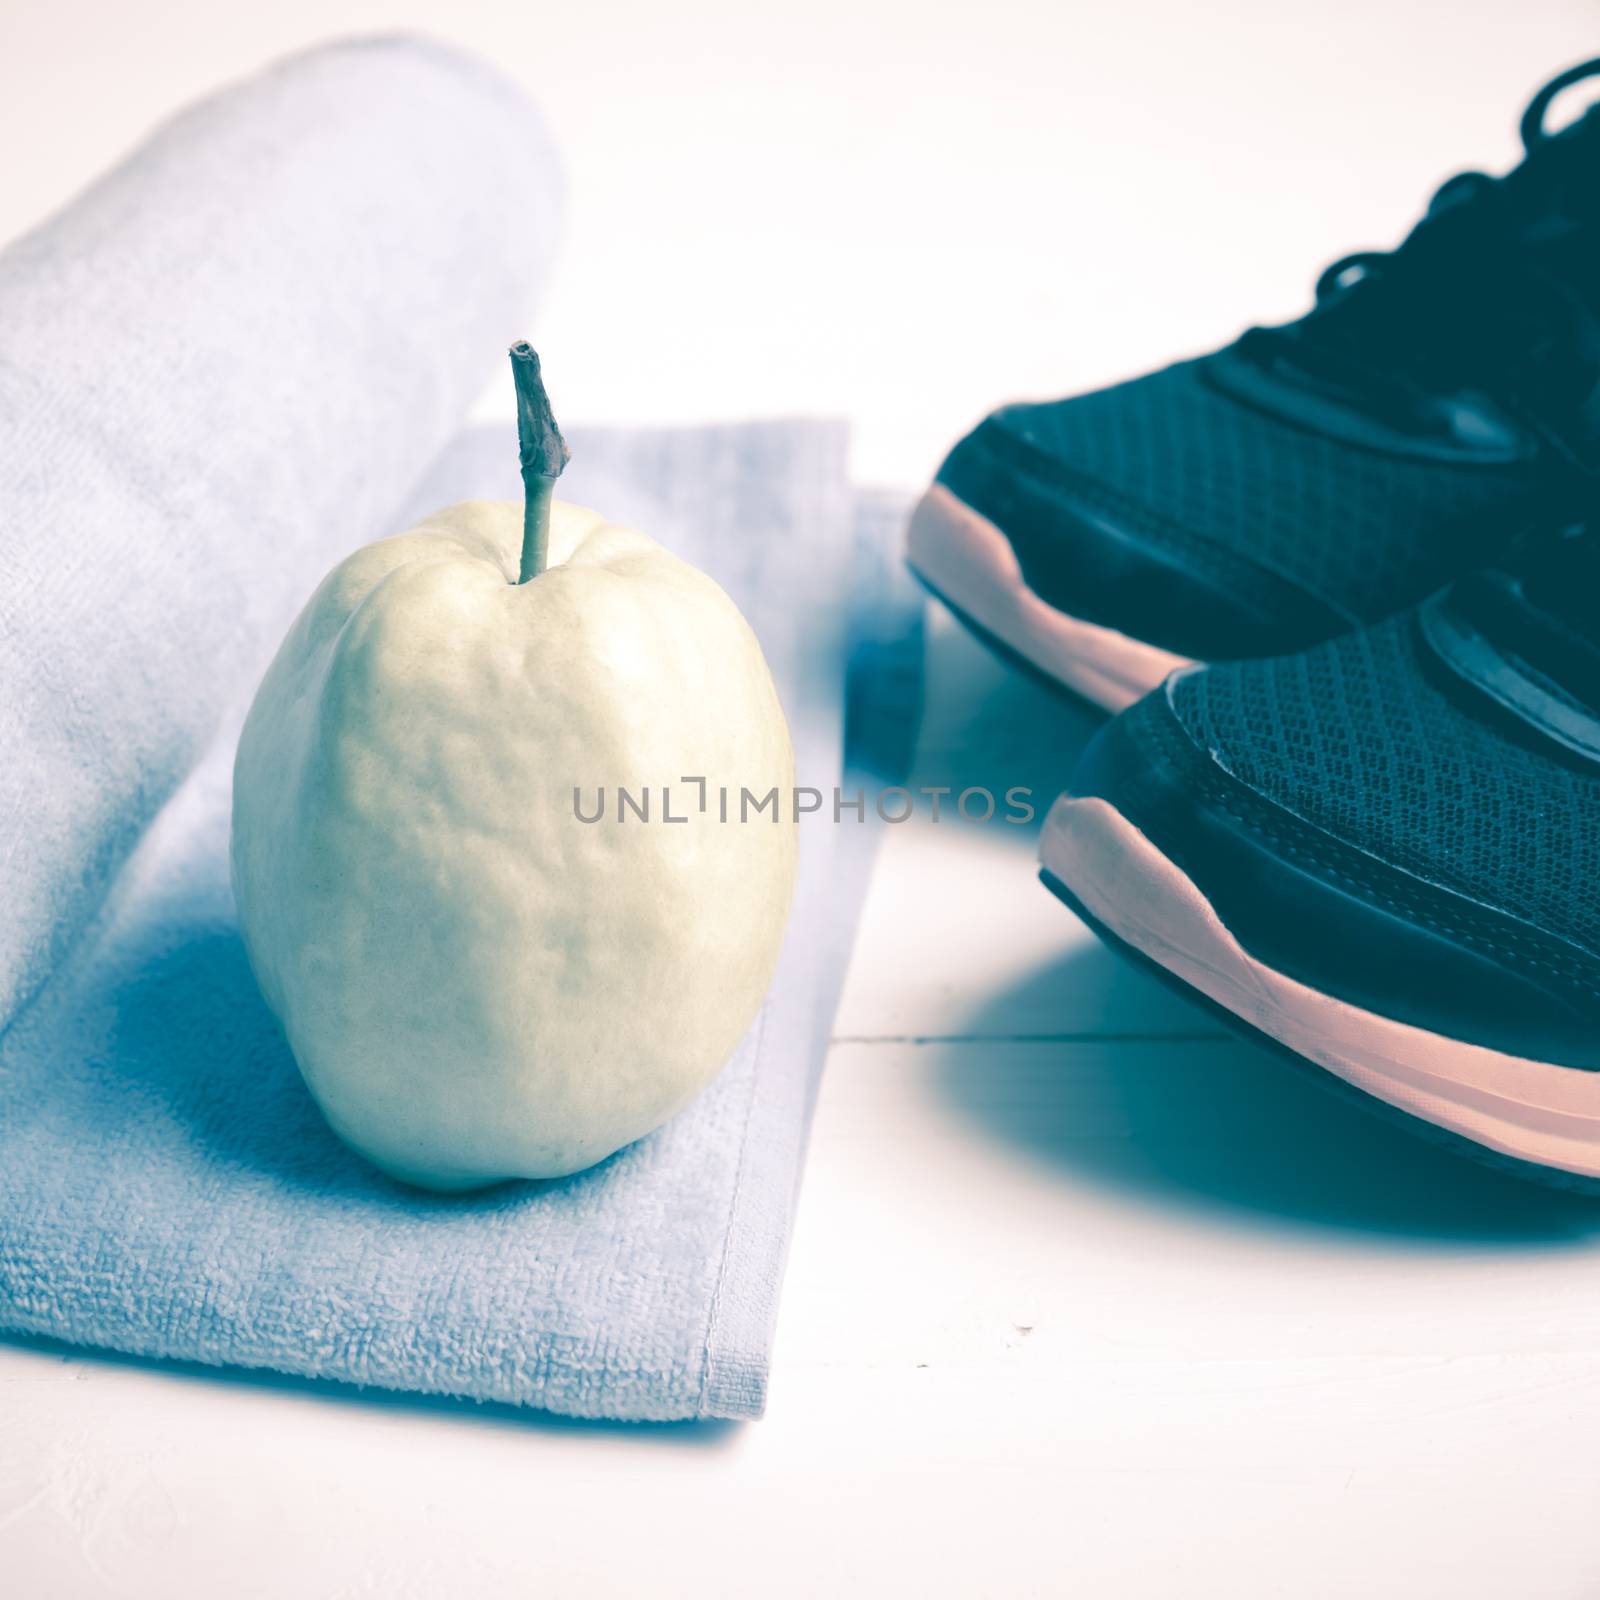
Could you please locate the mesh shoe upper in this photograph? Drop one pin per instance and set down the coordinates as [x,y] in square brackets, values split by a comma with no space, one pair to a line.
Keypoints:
[1366,738]
[1194,467]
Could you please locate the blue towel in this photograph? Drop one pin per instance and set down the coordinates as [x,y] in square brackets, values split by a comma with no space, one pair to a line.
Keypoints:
[167,1187]
[221,368]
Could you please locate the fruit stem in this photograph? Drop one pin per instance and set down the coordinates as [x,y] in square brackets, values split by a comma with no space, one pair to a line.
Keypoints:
[542,452]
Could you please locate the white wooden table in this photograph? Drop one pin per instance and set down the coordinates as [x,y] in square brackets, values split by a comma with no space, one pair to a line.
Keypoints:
[1085,1299]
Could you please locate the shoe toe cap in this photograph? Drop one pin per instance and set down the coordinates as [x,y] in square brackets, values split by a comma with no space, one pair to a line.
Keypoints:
[1095,553]
[1323,910]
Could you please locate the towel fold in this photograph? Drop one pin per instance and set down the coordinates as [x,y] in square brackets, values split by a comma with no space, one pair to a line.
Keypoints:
[183,453]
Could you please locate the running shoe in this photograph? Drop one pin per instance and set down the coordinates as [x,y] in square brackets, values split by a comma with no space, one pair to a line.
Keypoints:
[1437,404]
[1383,853]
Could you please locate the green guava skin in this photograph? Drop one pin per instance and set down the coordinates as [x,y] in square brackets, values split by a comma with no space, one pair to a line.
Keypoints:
[477,985]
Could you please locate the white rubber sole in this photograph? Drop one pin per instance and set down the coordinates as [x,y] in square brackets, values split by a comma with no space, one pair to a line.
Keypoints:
[969,562]
[1530,1110]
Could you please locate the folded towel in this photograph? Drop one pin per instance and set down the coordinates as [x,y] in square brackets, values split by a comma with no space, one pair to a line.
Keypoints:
[167,1187]
[226,362]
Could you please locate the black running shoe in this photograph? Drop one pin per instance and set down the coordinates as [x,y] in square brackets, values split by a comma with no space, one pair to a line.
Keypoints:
[1383,853]
[1437,403]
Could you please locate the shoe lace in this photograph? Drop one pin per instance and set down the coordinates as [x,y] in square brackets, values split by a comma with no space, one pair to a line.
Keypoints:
[1463,187]
[1498,286]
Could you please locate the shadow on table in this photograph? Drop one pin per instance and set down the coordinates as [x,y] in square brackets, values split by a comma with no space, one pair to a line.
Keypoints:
[1237,1127]
[991,724]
